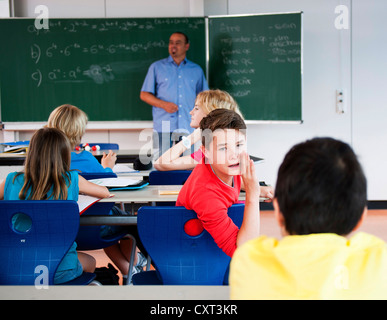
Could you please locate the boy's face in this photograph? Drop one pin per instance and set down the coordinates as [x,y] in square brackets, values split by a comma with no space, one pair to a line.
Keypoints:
[224,151]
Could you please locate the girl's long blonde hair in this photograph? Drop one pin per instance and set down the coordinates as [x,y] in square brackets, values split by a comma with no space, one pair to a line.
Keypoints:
[71,120]
[216,99]
[46,166]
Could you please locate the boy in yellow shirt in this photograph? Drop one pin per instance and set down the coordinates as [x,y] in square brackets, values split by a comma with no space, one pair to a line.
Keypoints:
[320,198]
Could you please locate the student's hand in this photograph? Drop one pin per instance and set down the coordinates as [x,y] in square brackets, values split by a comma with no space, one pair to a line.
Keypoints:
[267,192]
[170,107]
[249,178]
[109,160]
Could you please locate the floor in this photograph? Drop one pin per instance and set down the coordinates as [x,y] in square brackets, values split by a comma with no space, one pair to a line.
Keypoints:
[375,223]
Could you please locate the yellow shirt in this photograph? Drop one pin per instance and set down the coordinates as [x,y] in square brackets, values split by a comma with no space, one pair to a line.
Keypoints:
[316,266]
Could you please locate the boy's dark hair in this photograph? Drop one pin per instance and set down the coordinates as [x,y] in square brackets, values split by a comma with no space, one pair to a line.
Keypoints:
[321,188]
[220,119]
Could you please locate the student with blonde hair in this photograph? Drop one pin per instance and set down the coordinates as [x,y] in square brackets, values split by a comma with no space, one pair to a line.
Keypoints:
[205,102]
[72,121]
[47,176]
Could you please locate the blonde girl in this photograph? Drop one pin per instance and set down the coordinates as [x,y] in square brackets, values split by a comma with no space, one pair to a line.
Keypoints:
[205,102]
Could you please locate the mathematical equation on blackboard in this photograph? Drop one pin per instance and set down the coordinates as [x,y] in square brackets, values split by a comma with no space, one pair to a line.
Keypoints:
[50,57]
[241,49]
[146,24]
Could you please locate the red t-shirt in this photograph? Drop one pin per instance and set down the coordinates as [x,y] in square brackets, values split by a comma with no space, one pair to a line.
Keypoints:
[210,198]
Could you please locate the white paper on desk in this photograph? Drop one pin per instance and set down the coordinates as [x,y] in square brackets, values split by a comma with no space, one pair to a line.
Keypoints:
[123,168]
[115,182]
[85,201]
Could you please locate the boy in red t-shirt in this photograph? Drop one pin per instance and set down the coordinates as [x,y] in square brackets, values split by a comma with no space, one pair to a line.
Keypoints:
[215,184]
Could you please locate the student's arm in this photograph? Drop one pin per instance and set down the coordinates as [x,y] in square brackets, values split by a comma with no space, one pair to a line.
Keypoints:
[265,192]
[172,160]
[92,189]
[251,222]
[151,99]
[2,186]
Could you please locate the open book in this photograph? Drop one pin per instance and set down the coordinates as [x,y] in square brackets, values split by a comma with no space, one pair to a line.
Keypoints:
[115,182]
[123,168]
[120,183]
[85,202]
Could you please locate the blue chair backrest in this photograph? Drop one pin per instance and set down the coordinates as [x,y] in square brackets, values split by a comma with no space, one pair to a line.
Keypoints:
[175,177]
[97,175]
[105,146]
[181,259]
[54,226]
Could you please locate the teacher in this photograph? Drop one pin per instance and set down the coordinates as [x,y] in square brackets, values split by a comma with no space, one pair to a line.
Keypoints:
[170,87]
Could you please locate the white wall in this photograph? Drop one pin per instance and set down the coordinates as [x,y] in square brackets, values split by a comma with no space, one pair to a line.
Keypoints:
[324,73]
[5,11]
[352,59]
[369,43]
[111,8]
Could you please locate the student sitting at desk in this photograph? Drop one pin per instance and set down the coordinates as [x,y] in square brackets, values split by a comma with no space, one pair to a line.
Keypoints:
[214,185]
[72,121]
[320,198]
[205,102]
[41,180]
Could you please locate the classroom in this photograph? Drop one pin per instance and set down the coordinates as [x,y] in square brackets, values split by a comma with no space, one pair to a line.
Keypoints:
[335,75]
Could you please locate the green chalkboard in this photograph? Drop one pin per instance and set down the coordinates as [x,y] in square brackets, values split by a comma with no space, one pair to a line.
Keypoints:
[258,60]
[98,65]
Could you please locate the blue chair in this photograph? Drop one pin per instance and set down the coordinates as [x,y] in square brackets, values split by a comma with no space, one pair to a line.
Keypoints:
[97,175]
[174,177]
[180,259]
[54,226]
[106,146]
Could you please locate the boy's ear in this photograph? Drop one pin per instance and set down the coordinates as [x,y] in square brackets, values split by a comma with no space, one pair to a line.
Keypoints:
[363,216]
[277,213]
[204,150]
[279,217]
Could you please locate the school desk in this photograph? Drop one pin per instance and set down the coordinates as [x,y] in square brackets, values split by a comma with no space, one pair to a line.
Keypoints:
[123,156]
[148,194]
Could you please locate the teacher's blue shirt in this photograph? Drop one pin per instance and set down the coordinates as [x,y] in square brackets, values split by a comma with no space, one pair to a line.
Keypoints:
[178,84]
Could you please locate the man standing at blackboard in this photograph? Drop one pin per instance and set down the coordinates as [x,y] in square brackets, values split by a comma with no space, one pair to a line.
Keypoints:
[170,87]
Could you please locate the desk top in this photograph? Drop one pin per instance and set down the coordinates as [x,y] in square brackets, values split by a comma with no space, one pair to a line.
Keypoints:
[123,156]
[132,293]
[151,193]
[146,194]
